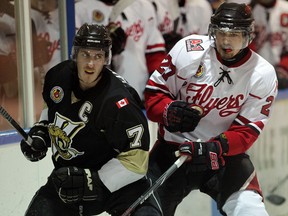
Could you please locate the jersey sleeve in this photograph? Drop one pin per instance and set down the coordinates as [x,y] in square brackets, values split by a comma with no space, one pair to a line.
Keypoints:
[254,113]
[178,66]
[126,129]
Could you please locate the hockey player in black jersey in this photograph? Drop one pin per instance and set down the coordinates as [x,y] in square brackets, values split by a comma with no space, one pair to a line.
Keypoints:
[98,135]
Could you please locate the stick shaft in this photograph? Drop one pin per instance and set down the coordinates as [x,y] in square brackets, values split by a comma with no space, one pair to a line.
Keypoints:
[156,185]
[14,124]
[118,8]
[279,184]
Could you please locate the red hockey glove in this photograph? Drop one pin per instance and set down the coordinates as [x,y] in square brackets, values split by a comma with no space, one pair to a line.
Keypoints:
[77,184]
[181,116]
[203,155]
[36,150]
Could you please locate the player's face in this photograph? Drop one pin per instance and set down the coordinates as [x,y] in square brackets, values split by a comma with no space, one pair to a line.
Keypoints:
[229,43]
[90,63]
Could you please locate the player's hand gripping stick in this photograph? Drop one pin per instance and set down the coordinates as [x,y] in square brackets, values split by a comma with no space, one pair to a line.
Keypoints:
[156,184]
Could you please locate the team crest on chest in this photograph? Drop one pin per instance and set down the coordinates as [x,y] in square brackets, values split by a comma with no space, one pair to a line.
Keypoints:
[62,131]
[57,94]
[98,16]
[194,45]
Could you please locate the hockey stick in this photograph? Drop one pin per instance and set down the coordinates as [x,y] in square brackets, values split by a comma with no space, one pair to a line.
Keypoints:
[14,124]
[274,198]
[156,185]
[118,8]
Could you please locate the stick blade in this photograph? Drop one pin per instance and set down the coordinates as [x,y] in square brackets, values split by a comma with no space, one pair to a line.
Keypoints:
[276,199]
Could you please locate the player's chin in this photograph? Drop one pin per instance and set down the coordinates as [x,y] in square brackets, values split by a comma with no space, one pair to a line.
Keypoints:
[226,55]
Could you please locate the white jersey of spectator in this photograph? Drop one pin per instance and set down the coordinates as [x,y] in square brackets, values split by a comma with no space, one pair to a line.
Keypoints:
[195,17]
[271,26]
[165,19]
[240,1]
[7,34]
[8,71]
[91,11]
[139,22]
[47,27]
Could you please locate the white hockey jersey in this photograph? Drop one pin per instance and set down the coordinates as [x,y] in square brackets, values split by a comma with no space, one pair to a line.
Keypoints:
[191,73]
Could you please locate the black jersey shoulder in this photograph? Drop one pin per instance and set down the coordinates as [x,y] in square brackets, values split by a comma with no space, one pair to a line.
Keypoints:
[59,81]
[131,90]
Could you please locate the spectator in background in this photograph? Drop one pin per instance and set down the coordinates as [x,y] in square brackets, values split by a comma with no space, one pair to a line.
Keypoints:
[8,69]
[144,48]
[98,12]
[168,15]
[195,17]
[41,54]
[92,11]
[215,4]
[271,30]
[47,27]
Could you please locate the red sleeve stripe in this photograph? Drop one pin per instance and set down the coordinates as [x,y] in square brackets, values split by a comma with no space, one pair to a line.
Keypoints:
[257,126]
[156,86]
[156,46]
[242,120]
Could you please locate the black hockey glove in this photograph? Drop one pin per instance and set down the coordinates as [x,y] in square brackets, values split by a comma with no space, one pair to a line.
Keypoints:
[181,116]
[77,184]
[203,155]
[171,39]
[118,37]
[36,150]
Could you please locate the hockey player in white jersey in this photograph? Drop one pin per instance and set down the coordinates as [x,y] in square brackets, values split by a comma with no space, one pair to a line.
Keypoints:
[212,88]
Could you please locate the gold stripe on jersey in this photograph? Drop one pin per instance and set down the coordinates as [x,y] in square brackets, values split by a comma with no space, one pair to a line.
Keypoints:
[135,160]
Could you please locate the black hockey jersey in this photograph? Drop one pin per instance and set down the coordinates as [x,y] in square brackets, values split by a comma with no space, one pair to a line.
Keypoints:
[90,128]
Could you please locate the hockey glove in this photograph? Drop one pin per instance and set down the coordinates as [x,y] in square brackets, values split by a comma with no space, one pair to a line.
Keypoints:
[118,37]
[171,39]
[76,184]
[181,116]
[203,155]
[36,150]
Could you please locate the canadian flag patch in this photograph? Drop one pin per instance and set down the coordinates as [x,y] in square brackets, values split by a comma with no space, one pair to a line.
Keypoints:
[122,103]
